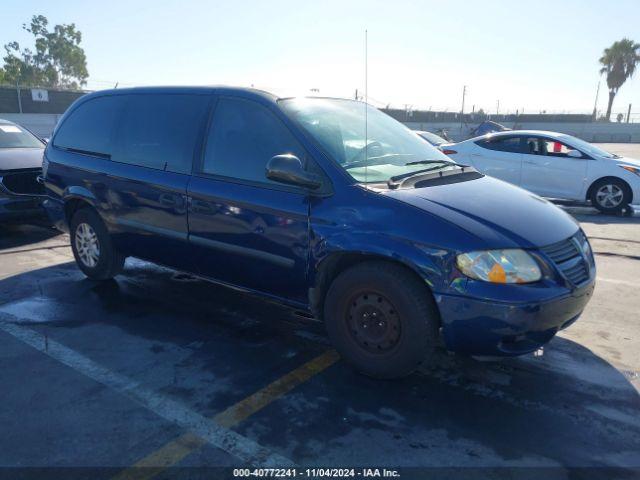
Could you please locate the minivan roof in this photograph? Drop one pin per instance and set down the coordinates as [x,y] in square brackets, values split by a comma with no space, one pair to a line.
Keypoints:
[221,89]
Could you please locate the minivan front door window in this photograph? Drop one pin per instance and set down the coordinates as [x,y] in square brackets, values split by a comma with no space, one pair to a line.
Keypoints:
[244,136]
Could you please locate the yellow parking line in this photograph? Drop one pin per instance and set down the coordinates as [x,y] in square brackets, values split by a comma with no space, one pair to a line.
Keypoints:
[250,405]
[174,451]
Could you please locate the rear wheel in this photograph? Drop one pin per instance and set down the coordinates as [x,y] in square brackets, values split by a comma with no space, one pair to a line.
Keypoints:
[382,319]
[92,246]
[610,195]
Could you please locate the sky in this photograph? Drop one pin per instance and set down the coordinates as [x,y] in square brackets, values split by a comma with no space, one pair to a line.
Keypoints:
[511,55]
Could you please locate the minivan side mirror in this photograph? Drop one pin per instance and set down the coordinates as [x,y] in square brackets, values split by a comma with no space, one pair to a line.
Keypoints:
[574,154]
[288,169]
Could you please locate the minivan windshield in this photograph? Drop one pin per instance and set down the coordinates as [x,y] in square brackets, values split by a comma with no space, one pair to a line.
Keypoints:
[13,136]
[374,153]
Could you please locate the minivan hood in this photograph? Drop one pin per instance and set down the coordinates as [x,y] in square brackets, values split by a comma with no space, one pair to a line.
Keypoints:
[15,158]
[501,214]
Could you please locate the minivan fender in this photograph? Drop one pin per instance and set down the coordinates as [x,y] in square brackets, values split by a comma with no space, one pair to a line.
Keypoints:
[79,193]
[74,197]
[341,251]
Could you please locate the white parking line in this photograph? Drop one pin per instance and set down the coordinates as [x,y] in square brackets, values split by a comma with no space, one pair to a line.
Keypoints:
[619,282]
[246,450]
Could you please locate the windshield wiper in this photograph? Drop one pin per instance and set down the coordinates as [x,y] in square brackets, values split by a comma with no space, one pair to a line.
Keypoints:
[395,182]
[430,162]
[426,162]
[372,161]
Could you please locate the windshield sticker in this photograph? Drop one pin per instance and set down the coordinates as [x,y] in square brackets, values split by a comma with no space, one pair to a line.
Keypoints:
[10,129]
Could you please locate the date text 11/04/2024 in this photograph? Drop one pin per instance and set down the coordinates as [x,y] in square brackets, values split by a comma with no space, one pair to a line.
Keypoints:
[316,472]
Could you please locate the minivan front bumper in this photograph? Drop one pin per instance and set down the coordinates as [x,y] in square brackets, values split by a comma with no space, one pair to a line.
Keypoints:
[477,326]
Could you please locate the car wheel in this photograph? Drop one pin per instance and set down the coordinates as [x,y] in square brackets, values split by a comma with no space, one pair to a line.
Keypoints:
[610,195]
[92,246]
[382,319]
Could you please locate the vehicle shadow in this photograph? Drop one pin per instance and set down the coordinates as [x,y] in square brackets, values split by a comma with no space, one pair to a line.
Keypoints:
[209,346]
[17,235]
[586,213]
[602,219]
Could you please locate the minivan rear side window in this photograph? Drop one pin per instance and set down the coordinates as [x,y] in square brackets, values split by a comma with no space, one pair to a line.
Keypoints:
[89,127]
[244,136]
[160,130]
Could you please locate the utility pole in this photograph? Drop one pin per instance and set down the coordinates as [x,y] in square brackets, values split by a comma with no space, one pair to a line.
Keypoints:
[18,90]
[595,106]
[629,113]
[19,96]
[498,107]
[464,93]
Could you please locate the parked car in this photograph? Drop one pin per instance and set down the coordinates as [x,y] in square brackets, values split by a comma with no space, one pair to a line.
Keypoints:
[432,138]
[383,238]
[21,153]
[554,165]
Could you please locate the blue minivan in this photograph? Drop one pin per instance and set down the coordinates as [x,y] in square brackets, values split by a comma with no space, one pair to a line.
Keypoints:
[326,205]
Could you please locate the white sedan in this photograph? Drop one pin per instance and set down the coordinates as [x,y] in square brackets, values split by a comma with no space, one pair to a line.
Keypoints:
[554,165]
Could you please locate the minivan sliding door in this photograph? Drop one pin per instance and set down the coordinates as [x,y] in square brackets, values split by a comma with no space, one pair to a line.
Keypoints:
[157,140]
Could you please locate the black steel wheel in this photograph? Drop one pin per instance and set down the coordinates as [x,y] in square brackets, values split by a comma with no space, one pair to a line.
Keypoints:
[373,322]
[382,319]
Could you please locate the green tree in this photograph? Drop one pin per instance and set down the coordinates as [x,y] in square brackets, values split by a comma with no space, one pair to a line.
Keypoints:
[57,62]
[619,62]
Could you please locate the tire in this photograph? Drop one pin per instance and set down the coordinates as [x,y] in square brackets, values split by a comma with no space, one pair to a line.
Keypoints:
[610,195]
[406,336]
[102,262]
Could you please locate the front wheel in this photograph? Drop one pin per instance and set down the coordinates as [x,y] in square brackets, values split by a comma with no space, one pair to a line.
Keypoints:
[92,246]
[610,195]
[382,319]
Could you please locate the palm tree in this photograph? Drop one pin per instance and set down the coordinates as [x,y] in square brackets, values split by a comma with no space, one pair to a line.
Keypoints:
[619,63]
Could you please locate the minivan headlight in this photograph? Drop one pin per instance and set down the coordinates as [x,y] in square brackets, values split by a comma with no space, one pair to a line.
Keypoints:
[500,266]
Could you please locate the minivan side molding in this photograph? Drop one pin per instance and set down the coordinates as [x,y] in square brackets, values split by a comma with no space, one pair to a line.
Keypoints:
[151,228]
[239,250]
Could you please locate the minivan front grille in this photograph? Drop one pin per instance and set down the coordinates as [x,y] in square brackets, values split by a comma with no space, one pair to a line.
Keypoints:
[569,257]
[23,182]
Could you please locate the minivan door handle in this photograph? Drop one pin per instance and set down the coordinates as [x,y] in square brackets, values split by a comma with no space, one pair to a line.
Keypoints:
[168,200]
[200,206]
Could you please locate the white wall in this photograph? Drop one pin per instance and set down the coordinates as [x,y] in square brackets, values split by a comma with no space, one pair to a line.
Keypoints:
[42,124]
[592,132]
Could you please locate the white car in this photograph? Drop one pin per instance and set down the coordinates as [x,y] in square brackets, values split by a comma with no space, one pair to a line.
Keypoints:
[553,165]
